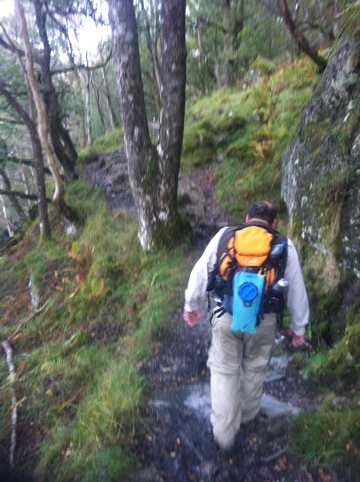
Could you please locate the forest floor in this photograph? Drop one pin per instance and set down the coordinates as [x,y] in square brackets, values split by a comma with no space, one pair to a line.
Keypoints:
[176,443]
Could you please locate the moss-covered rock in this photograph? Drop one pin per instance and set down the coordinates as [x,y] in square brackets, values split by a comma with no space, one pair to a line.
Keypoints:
[321,184]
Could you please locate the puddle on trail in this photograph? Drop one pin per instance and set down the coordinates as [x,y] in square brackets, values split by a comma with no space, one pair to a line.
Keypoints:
[196,397]
[179,445]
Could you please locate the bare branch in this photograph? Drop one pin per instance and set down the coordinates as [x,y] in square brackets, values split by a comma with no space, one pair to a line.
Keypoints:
[74,67]
[25,162]
[21,195]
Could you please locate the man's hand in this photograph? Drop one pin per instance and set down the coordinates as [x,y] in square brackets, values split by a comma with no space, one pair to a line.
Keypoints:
[192,317]
[296,340]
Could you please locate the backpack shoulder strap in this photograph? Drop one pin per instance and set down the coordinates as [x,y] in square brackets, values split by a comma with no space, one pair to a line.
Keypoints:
[225,238]
[225,256]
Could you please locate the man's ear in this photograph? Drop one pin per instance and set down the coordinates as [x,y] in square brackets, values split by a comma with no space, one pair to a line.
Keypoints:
[247,219]
[274,224]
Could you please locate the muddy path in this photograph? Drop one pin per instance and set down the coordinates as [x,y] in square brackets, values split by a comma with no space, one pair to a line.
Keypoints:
[177,444]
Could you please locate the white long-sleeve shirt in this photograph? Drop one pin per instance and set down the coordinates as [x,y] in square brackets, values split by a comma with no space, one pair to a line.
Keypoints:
[296,298]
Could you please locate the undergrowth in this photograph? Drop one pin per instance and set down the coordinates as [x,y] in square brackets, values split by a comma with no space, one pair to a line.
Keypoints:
[243,134]
[101,304]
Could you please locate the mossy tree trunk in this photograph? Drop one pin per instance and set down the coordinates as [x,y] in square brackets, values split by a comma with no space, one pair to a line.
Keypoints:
[153,170]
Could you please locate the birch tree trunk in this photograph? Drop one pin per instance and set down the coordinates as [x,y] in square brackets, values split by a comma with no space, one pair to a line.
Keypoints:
[13,199]
[61,142]
[153,170]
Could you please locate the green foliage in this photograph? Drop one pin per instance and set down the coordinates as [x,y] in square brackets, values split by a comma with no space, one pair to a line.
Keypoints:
[329,438]
[110,412]
[340,367]
[198,142]
[244,133]
[84,198]
[110,142]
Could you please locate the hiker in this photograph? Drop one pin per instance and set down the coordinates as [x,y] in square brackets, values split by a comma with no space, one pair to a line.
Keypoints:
[238,359]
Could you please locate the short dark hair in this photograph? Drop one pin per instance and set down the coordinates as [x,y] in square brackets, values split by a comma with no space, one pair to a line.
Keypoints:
[263,210]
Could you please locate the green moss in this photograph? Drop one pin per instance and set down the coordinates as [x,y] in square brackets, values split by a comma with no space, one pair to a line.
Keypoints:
[242,150]
[334,187]
[173,233]
[198,135]
[110,142]
[328,438]
[265,66]
[341,364]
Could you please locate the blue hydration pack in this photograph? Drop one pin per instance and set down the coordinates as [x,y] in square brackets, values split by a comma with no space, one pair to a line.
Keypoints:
[248,291]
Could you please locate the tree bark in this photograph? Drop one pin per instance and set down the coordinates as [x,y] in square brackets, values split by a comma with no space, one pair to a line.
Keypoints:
[111,110]
[12,197]
[96,91]
[151,44]
[89,138]
[153,172]
[58,196]
[38,161]
[60,139]
[299,37]
[6,216]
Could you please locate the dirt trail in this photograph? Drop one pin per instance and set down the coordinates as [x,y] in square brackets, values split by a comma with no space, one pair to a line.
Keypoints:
[177,444]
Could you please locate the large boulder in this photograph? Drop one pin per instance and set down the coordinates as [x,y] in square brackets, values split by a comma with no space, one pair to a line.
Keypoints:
[321,179]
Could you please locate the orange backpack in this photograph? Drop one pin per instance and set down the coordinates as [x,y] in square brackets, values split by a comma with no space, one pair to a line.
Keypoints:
[255,248]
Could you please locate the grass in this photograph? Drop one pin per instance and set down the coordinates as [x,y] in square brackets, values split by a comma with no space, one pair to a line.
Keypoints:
[329,438]
[243,134]
[110,142]
[78,360]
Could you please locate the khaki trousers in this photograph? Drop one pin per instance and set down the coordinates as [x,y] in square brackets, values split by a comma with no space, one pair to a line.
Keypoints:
[237,364]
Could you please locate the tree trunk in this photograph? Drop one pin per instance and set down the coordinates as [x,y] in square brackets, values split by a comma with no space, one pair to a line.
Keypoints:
[38,161]
[112,116]
[6,217]
[7,190]
[58,196]
[151,44]
[228,52]
[60,139]
[87,76]
[153,172]
[299,37]
[40,182]
[96,91]
[25,181]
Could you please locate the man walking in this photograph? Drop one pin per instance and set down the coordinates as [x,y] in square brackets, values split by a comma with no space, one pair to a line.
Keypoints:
[238,359]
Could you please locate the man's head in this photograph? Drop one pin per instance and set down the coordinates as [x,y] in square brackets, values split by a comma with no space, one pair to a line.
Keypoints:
[262,211]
